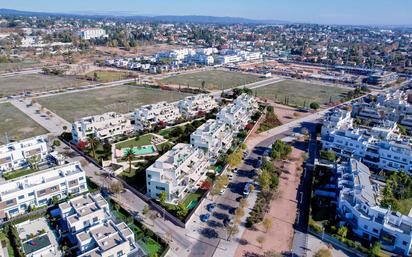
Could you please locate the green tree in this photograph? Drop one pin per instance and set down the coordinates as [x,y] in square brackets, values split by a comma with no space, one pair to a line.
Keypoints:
[267,224]
[402,130]
[231,230]
[375,250]
[234,159]
[324,252]
[314,106]
[162,198]
[343,231]
[93,143]
[128,154]
[328,155]
[265,180]
[181,210]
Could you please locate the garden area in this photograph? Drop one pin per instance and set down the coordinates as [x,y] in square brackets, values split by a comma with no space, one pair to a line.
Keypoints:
[18,173]
[149,241]
[398,192]
[106,76]
[270,121]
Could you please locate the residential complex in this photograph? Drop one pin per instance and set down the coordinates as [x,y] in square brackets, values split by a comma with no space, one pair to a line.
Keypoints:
[150,115]
[213,137]
[238,114]
[39,188]
[178,172]
[380,147]
[16,155]
[358,205]
[102,126]
[194,105]
[92,33]
[89,221]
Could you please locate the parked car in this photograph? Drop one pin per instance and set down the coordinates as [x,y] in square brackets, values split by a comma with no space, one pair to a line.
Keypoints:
[210,207]
[246,189]
[258,164]
[205,217]
[235,170]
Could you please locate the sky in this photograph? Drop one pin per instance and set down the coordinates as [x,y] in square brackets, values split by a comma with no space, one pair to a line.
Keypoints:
[353,12]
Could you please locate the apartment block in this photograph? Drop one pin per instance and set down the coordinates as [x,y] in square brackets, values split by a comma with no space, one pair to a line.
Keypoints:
[177,172]
[38,189]
[380,147]
[103,126]
[91,33]
[14,156]
[358,205]
[213,137]
[238,114]
[150,115]
[89,220]
[191,106]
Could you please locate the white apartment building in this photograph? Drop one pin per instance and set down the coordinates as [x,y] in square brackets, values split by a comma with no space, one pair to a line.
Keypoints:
[102,126]
[238,114]
[213,137]
[192,105]
[179,171]
[91,33]
[15,155]
[380,147]
[89,220]
[359,206]
[150,115]
[225,59]
[37,189]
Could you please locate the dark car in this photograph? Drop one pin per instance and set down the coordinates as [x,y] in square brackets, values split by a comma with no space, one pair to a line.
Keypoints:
[205,217]
[210,207]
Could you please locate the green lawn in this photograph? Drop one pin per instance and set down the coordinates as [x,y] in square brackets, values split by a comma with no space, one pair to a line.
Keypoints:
[121,99]
[37,83]
[18,173]
[193,197]
[405,206]
[143,140]
[298,92]
[15,125]
[151,246]
[3,237]
[107,76]
[214,79]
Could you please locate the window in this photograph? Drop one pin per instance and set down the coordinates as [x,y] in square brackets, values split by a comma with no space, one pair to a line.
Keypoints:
[9,202]
[404,243]
[21,197]
[119,253]
[53,188]
[81,178]
[375,230]
[43,191]
[95,219]
[31,194]
[365,227]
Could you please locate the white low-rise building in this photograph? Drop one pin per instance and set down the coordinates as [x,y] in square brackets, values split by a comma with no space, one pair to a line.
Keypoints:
[150,115]
[39,188]
[358,205]
[238,114]
[91,33]
[15,155]
[179,171]
[89,221]
[191,106]
[102,126]
[213,137]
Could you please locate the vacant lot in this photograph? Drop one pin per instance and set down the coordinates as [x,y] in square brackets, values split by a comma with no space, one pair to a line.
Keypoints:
[214,80]
[122,99]
[297,93]
[15,66]
[35,83]
[16,124]
[106,76]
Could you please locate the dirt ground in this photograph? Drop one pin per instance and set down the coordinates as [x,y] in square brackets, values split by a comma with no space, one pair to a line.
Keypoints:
[139,50]
[287,114]
[282,213]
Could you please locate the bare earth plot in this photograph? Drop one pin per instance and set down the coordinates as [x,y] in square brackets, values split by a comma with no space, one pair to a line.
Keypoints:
[214,80]
[121,99]
[298,92]
[35,83]
[16,124]
[8,67]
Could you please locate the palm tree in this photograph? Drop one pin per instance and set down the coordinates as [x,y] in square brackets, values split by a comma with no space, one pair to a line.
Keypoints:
[129,156]
[93,142]
[34,161]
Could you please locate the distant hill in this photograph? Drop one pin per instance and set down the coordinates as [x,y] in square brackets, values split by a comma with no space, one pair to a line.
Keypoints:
[131,16]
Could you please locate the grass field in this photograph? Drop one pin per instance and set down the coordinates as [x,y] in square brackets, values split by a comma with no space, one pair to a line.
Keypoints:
[214,79]
[298,92]
[107,76]
[143,140]
[13,66]
[16,124]
[120,99]
[35,83]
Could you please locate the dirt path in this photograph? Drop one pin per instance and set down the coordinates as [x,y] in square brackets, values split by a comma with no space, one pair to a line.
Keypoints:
[282,213]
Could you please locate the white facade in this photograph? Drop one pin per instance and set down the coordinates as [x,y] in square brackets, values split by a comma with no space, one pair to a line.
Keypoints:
[89,220]
[103,126]
[192,105]
[91,33]
[224,59]
[37,189]
[359,206]
[15,155]
[213,137]
[238,114]
[380,147]
[177,172]
[150,115]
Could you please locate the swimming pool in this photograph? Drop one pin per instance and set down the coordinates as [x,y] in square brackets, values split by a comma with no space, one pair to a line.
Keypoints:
[147,149]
